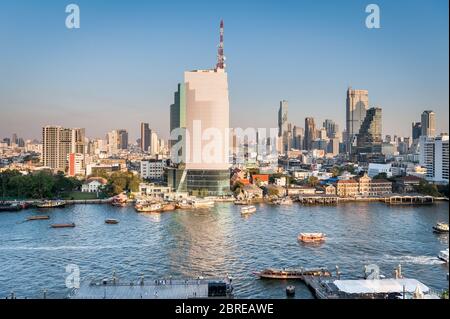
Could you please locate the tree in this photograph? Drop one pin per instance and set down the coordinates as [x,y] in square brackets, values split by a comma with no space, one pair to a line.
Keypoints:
[381,176]
[313,181]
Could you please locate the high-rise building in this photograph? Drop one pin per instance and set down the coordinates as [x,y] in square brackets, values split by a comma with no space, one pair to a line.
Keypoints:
[434,156]
[416,130]
[154,144]
[428,123]
[201,109]
[297,137]
[117,141]
[331,128]
[310,133]
[283,125]
[356,106]
[145,140]
[58,143]
[369,139]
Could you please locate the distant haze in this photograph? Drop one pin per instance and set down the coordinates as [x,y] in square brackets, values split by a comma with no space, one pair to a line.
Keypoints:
[124,63]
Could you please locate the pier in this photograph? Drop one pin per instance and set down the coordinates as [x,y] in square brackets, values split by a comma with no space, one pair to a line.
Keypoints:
[154,289]
[409,200]
[318,199]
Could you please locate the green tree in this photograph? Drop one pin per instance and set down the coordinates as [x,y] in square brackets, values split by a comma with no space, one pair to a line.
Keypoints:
[313,181]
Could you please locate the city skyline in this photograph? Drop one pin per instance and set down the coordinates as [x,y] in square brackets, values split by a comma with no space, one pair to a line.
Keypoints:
[48,94]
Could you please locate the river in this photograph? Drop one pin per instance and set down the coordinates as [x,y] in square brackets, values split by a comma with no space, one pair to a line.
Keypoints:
[217,242]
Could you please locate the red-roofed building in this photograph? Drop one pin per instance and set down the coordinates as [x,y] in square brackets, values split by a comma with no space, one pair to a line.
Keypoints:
[260,179]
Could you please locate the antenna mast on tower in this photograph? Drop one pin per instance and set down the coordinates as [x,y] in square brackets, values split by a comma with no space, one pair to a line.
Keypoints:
[220,56]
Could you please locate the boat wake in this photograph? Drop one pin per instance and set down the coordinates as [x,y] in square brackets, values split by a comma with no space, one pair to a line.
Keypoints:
[418,260]
[51,248]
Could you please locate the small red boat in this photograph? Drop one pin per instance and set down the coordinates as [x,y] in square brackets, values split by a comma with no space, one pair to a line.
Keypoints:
[71,225]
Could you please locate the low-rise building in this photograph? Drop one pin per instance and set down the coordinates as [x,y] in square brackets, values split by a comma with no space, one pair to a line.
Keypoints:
[93,185]
[301,190]
[407,184]
[347,188]
[152,169]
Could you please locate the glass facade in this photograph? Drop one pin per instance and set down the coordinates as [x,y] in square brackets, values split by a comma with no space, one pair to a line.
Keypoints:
[208,182]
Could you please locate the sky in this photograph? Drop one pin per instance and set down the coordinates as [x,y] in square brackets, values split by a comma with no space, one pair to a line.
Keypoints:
[124,63]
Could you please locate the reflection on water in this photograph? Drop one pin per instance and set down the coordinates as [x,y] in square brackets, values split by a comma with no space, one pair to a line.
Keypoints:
[218,242]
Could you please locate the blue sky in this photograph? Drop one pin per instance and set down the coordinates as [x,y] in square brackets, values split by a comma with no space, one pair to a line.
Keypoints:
[122,66]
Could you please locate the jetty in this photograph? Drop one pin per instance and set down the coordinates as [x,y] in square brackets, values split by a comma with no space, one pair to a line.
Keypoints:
[318,199]
[413,199]
[392,288]
[154,289]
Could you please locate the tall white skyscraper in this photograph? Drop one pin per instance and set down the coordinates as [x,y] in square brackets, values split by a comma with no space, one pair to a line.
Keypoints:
[202,106]
[357,104]
[434,156]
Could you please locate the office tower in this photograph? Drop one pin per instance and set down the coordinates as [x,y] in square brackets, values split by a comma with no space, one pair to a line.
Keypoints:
[331,128]
[145,137]
[283,126]
[434,156]
[117,141]
[310,133]
[58,143]
[20,142]
[322,133]
[369,139]
[416,130]
[14,139]
[154,144]
[297,137]
[356,106]
[201,108]
[428,123]
[333,146]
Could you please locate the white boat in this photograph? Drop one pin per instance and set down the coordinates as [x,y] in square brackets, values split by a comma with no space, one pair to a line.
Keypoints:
[441,228]
[285,201]
[202,203]
[443,254]
[248,209]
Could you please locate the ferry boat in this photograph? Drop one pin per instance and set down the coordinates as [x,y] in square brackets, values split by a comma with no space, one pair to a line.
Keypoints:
[51,204]
[10,207]
[284,201]
[71,225]
[242,202]
[120,200]
[441,228]
[183,204]
[272,273]
[38,217]
[443,255]
[245,210]
[311,237]
[111,221]
[202,203]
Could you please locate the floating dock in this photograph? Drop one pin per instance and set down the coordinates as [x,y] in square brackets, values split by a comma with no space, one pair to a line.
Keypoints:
[394,288]
[156,289]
